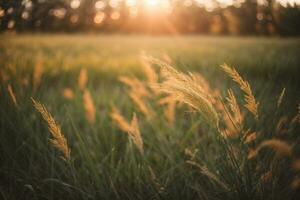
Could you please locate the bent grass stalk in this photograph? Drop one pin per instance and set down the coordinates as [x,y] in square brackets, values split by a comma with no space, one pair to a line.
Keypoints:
[280,98]
[280,147]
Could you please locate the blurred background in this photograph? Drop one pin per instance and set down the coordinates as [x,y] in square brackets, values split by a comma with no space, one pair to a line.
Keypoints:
[219,17]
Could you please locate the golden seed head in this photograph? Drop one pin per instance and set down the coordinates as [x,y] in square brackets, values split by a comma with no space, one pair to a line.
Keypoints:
[187,89]
[82,79]
[119,120]
[250,138]
[37,73]
[131,129]
[280,147]
[135,134]
[251,103]
[58,141]
[68,93]
[89,107]
[141,105]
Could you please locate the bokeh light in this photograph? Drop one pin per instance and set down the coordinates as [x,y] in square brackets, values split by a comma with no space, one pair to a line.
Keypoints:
[75,4]
[115,15]
[99,17]
[100,5]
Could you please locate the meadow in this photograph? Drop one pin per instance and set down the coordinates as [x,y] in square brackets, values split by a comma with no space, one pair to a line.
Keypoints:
[140,117]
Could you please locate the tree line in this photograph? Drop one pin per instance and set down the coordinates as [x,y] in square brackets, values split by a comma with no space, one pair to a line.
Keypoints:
[247,17]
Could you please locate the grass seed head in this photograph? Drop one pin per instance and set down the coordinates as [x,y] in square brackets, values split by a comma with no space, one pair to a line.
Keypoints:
[58,141]
[136,86]
[37,73]
[89,107]
[280,147]
[251,103]
[166,58]
[68,94]
[170,112]
[205,171]
[135,134]
[82,79]
[149,71]
[250,138]
[281,125]
[141,105]
[131,129]
[170,108]
[120,120]
[266,177]
[187,89]
[235,109]
[12,95]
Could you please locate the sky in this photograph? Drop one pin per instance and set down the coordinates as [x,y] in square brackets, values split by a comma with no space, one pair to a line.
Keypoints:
[166,3]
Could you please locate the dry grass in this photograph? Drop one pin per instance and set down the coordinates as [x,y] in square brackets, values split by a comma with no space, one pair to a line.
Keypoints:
[141,105]
[235,109]
[150,73]
[58,141]
[136,86]
[12,95]
[131,129]
[88,103]
[137,93]
[156,182]
[135,134]
[186,89]
[251,103]
[281,126]
[170,108]
[205,171]
[37,73]
[280,98]
[280,147]
[82,79]
[120,120]
[267,177]
[250,137]
[101,160]
[68,94]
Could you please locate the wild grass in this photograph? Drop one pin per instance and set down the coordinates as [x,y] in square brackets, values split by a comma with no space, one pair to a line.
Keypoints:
[58,141]
[175,127]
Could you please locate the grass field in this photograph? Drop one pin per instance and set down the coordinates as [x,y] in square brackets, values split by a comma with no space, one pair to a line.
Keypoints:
[184,152]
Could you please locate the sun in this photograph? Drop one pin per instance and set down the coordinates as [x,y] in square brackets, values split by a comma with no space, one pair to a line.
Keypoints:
[152,3]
